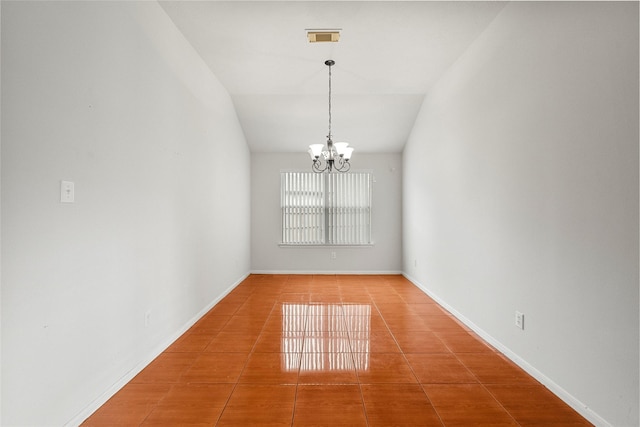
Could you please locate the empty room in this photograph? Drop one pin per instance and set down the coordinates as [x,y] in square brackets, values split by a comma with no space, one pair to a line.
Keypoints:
[358,213]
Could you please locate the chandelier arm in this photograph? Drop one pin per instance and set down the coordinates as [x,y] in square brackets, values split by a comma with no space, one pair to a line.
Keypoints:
[317,166]
[344,165]
[338,164]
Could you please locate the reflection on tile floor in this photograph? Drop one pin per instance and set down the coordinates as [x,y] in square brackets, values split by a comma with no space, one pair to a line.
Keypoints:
[331,350]
[330,337]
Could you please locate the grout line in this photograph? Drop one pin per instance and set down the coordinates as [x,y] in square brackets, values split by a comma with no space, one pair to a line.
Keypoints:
[499,403]
[295,396]
[432,405]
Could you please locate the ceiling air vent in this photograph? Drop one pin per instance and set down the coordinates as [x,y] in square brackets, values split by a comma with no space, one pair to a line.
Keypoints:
[320,36]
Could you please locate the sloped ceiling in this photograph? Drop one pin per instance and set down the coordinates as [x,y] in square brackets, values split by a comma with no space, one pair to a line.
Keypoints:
[389,54]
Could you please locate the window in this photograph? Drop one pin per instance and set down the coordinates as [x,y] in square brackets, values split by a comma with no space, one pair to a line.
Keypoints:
[326,209]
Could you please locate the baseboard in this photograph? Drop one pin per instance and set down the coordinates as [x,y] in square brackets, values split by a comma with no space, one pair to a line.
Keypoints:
[556,389]
[102,399]
[307,272]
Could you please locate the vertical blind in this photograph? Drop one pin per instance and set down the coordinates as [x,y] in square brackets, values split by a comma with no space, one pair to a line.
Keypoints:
[303,202]
[332,209]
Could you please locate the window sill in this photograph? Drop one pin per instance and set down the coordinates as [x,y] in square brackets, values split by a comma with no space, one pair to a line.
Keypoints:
[297,245]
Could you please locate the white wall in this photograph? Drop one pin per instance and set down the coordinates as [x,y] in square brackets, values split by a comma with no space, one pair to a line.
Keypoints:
[108,95]
[385,256]
[521,193]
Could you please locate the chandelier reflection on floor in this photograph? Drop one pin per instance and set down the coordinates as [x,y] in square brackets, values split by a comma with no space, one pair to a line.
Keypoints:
[336,156]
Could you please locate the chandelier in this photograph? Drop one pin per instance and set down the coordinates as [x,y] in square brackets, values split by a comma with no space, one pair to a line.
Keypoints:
[336,155]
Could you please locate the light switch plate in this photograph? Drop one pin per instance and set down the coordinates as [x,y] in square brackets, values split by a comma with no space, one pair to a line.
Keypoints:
[67,193]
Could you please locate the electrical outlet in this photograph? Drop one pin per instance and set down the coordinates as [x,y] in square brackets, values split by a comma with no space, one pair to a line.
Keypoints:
[333,255]
[519,320]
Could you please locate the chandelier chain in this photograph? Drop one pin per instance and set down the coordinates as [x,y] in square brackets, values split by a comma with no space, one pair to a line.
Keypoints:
[329,136]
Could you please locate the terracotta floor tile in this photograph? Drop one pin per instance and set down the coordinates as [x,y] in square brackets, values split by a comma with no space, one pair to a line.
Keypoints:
[385,298]
[271,368]
[357,325]
[329,405]
[426,309]
[355,279]
[416,297]
[381,288]
[190,404]
[293,297]
[325,279]
[291,308]
[321,285]
[356,298]
[265,293]
[325,324]
[356,290]
[398,405]
[439,368]
[463,342]
[130,406]
[377,323]
[364,299]
[140,394]
[166,368]
[384,368]
[232,342]
[373,342]
[279,342]
[225,308]
[441,322]
[290,323]
[467,404]
[297,282]
[125,415]
[356,311]
[216,368]
[209,324]
[191,343]
[327,309]
[419,342]
[326,342]
[327,368]
[405,322]
[535,405]
[244,324]
[259,405]
[394,309]
[264,296]
[260,308]
[237,296]
[319,297]
[493,368]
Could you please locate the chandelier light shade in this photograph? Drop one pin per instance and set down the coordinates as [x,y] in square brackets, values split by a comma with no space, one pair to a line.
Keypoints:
[334,156]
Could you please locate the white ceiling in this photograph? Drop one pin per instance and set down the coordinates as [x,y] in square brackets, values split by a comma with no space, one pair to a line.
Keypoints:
[389,54]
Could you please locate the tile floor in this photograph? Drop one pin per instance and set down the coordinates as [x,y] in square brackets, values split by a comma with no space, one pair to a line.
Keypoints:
[297,350]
